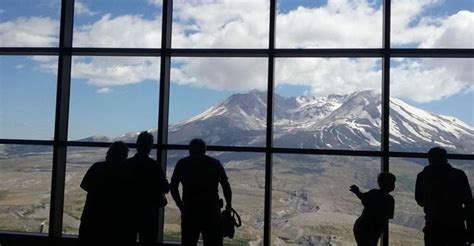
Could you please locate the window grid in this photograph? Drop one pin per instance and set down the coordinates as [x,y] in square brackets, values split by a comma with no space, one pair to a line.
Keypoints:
[166,52]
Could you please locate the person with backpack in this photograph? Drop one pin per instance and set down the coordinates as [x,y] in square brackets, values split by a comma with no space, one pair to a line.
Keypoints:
[200,175]
[445,195]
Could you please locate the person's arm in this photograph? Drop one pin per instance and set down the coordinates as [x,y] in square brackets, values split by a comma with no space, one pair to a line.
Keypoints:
[355,189]
[174,186]
[165,186]
[224,181]
[87,183]
[468,206]
[227,193]
[419,193]
[391,208]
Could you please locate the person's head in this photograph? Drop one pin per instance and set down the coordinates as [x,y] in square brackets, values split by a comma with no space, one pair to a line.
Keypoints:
[197,147]
[144,142]
[118,151]
[437,156]
[386,181]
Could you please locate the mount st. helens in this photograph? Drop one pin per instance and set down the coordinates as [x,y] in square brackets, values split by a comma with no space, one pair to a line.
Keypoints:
[336,121]
[350,121]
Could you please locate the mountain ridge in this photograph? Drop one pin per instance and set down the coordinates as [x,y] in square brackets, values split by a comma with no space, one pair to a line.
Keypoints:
[351,121]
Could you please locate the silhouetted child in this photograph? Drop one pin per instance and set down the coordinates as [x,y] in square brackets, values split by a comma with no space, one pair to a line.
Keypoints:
[378,209]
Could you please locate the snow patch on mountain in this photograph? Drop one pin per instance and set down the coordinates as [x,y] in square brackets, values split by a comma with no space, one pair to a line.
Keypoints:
[350,121]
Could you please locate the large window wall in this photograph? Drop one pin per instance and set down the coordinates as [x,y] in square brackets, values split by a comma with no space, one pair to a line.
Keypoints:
[299,99]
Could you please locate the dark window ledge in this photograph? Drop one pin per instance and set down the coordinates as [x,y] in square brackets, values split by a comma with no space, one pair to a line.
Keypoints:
[38,239]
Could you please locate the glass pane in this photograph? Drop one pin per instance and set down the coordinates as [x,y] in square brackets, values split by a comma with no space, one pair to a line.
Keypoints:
[327,103]
[407,226]
[329,24]
[220,24]
[246,172]
[113,98]
[25,186]
[221,100]
[408,222]
[27,96]
[172,226]
[29,23]
[123,24]
[432,104]
[432,24]
[311,201]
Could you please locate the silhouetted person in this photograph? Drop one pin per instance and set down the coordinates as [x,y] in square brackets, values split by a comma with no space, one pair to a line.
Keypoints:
[446,198]
[146,185]
[378,209]
[200,176]
[99,222]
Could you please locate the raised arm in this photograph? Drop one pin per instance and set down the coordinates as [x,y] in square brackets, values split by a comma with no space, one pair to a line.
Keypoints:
[355,189]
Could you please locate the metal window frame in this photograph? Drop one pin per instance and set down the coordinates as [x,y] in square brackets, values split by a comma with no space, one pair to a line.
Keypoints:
[65,51]
[385,112]
[61,120]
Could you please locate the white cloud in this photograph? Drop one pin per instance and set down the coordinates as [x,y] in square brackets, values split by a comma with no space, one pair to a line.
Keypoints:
[456,31]
[50,67]
[425,80]
[220,24]
[410,27]
[115,71]
[104,90]
[330,76]
[225,23]
[45,58]
[405,15]
[221,73]
[28,32]
[356,23]
[127,31]
[157,3]
[81,8]
[337,24]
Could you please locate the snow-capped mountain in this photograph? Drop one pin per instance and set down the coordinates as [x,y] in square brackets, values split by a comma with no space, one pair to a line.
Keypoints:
[413,128]
[336,121]
[96,138]
[333,122]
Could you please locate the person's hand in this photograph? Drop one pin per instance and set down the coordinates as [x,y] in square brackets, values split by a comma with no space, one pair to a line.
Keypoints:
[228,208]
[354,189]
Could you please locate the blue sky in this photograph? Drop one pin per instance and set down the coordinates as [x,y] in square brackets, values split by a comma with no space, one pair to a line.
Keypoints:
[107,104]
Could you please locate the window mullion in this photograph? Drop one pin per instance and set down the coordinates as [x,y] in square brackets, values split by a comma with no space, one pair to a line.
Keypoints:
[163,107]
[61,119]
